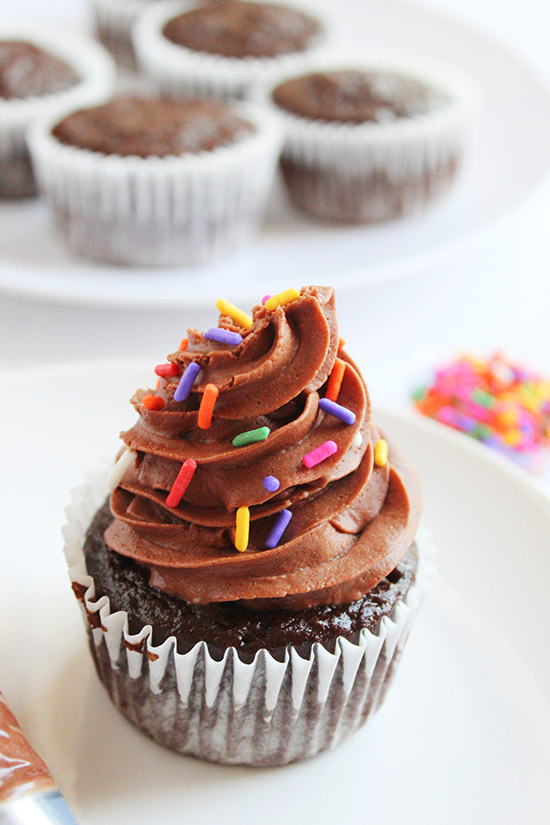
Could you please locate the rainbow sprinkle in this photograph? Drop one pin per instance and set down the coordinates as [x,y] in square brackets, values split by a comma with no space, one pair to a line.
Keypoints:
[495,401]
[122,464]
[337,410]
[236,314]
[276,532]
[282,299]
[242,529]
[272,483]
[186,381]
[153,402]
[251,437]
[335,379]
[181,483]
[167,370]
[206,409]
[381,453]
[223,336]
[319,454]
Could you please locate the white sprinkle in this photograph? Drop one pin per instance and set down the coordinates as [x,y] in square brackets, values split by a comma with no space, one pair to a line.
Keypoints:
[358,440]
[124,463]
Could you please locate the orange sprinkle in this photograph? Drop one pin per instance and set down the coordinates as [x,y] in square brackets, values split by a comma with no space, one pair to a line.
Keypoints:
[335,380]
[153,402]
[158,385]
[184,343]
[208,402]
[341,343]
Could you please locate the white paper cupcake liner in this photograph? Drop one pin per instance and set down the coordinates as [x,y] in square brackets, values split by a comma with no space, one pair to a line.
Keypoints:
[159,211]
[177,70]
[114,20]
[91,63]
[376,171]
[267,712]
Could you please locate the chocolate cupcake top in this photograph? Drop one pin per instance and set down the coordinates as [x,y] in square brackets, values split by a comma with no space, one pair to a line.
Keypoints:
[255,473]
[354,96]
[28,71]
[145,127]
[242,29]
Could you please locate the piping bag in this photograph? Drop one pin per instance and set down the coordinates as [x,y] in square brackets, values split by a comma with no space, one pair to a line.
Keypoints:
[28,794]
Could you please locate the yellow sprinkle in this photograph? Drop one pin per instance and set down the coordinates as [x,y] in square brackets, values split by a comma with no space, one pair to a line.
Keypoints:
[282,298]
[242,529]
[236,314]
[381,453]
[507,418]
[512,437]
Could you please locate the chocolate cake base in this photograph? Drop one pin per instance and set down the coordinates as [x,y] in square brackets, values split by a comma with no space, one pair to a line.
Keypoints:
[255,706]
[228,624]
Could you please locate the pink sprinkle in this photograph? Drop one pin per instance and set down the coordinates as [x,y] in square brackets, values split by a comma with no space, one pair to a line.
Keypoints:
[320,454]
[266,298]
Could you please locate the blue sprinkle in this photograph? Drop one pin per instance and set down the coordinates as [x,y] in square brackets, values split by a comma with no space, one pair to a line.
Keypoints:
[278,529]
[331,407]
[272,484]
[223,336]
[186,382]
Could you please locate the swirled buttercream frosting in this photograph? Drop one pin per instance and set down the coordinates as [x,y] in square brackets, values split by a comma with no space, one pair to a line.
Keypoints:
[349,515]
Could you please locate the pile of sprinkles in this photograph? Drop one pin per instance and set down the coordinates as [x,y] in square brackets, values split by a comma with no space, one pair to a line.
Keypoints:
[494,401]
[329,405]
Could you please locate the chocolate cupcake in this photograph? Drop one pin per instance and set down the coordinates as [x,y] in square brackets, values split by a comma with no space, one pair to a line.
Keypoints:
[40,72]
[223,49]
[370,141]
[153,182]
[250,584]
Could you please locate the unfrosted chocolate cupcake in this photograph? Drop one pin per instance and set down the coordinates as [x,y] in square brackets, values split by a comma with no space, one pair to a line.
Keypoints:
[39,72]
[371,142]
[29,71]
[251,582]
[243,29]
[223,49]
[159,181]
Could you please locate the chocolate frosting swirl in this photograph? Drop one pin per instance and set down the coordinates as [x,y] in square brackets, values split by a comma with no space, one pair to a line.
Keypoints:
[352,520]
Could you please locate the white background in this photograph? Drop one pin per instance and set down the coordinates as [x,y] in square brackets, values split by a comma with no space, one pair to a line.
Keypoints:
[495,295]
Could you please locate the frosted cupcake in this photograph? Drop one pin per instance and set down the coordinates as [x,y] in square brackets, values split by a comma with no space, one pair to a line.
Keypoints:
[370,140]
[155,182]
[249,586]
[223,49]
[41,71]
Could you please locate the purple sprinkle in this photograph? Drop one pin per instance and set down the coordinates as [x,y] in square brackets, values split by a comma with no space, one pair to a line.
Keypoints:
[186,382]
[272,484]
[266,298]
[223,336]
[331,407]
[278,529]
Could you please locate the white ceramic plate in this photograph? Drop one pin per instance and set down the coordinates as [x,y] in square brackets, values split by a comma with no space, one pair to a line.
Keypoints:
[464,735]
[508,159]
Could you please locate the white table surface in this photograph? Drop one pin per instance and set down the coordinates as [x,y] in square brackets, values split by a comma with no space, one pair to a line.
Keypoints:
[496,297]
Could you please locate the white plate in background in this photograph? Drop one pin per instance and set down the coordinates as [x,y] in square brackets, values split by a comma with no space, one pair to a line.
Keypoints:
[464,735]
[508,159]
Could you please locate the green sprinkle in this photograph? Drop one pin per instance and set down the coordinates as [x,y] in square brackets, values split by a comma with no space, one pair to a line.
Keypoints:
[419,394]
[484,399]
[251,437]
[482,432]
